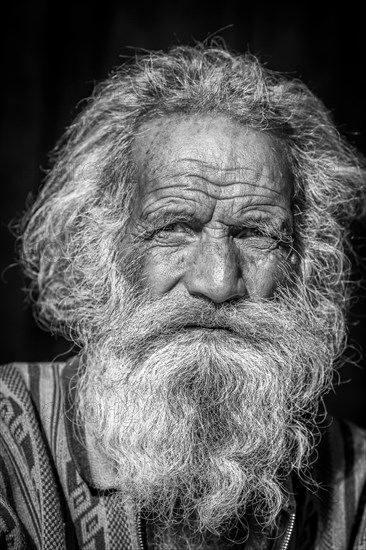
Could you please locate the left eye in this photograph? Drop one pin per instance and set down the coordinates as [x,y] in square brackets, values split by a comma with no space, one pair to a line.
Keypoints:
[248,232]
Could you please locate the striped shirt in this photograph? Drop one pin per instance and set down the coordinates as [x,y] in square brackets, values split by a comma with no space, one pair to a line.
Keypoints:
[49,499]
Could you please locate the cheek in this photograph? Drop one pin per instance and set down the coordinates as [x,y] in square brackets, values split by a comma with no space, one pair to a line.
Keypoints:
[264,274]
[162,269]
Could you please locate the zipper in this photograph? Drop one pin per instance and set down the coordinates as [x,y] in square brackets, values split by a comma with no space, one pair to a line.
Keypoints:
[140,540]
[288,535]
[286,540]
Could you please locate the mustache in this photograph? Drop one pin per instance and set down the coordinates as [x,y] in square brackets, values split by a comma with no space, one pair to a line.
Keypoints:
[247,319]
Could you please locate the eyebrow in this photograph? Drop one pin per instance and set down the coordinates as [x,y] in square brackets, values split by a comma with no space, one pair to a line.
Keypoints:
[166,216]
[269,223]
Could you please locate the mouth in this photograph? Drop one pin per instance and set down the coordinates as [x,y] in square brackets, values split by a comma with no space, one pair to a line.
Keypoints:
[210,328]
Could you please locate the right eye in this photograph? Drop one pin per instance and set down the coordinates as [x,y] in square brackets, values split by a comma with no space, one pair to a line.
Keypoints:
[175,227]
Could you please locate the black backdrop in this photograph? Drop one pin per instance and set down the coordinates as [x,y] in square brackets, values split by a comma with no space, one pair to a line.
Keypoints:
[53,53]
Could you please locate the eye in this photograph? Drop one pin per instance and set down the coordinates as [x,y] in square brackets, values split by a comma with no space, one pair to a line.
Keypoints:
[244,232]
[176,227]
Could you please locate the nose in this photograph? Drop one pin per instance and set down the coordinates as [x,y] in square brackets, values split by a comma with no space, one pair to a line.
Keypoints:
[216,273]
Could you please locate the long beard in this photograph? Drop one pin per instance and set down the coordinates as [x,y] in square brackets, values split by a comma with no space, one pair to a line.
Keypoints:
[204,425]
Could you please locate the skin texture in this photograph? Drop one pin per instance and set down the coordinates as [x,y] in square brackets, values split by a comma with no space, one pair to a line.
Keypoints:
[212,209]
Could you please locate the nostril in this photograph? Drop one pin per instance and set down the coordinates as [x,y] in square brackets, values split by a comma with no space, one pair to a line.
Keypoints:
[216,296]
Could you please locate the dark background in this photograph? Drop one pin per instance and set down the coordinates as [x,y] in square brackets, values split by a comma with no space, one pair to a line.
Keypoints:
[52,55]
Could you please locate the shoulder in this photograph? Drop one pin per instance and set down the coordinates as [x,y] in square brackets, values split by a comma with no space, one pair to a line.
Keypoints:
[28,485]
[20,379]
[342,454]
[341,473]
[30,407]
[27,391]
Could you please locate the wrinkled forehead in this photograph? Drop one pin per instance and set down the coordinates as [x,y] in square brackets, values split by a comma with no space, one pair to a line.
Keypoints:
[215,152]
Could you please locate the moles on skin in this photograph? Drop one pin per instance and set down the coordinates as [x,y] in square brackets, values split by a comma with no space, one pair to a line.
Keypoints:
[212,209]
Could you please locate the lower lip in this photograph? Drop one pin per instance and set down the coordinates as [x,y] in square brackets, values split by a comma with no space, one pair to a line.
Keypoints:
[208,329]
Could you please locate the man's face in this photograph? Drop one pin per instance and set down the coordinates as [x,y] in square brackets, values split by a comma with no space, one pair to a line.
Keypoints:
[207,420]
[213,207]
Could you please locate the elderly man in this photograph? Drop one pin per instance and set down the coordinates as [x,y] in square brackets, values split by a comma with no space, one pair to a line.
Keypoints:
[192,238]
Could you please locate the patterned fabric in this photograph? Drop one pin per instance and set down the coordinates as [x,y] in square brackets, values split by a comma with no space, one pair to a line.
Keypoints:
[44,500]
[48,499]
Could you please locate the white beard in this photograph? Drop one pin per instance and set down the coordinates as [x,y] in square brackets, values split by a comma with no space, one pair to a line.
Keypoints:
[203,426]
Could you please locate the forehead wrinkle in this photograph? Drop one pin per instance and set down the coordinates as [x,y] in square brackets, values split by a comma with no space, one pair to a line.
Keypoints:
[214,199]
[187,186]
[177,204]
[154,202]
[207,166]
[227,184]
[201,168]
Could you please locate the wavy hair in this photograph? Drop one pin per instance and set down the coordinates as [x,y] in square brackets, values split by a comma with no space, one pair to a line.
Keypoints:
[71,243]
